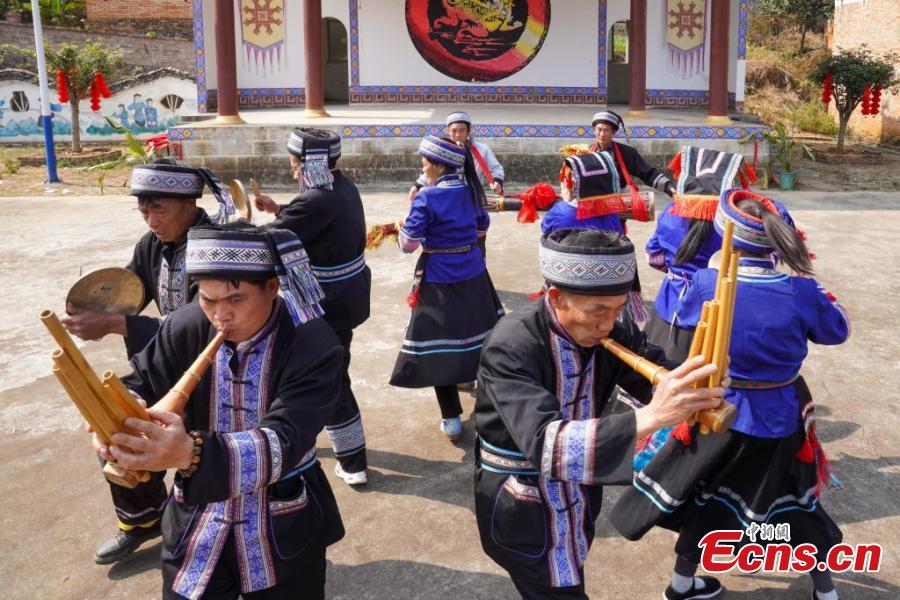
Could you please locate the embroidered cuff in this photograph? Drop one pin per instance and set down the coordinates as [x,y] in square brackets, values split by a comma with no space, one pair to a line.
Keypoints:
[254,459]
[657,260]
[569,450]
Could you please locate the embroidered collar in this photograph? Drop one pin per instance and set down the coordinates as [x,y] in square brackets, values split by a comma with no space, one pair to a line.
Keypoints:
[449,180]
[747,261]
[750,269]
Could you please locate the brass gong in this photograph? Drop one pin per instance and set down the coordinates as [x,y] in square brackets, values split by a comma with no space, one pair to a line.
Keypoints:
[241,201]
[109,290]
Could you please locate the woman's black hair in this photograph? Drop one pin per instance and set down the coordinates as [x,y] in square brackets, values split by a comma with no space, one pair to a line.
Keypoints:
[697,234]
[790,246]
[472,178]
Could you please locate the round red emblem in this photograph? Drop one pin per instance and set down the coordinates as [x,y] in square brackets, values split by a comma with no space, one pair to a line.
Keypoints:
[478,40]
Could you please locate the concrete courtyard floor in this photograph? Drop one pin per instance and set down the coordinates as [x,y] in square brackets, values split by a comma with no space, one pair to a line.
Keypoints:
[411,532]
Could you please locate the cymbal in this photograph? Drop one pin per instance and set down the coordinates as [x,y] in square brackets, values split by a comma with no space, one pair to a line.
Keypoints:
[241,201]
[109,290]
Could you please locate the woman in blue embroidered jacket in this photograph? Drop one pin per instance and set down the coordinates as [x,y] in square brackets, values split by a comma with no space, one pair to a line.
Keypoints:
[769,467]
[678,247]
[256,513]
[602,177]
[454,304]
[684,241]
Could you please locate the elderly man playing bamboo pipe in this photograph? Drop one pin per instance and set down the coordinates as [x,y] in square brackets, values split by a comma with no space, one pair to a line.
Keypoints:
[548,439]
[251,511]
[167,195]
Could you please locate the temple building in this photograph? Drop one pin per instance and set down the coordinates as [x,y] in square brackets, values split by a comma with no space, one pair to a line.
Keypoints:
[530,70]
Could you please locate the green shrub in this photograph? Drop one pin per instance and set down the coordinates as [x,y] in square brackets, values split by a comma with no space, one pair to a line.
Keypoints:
[812,116]
[11,165]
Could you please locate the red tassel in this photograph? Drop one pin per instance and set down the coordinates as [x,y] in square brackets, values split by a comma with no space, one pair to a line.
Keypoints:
[537,295]
[62,87]
[540,196]
[675,166]
[682,433]
[528,212]
[826,89]
[638,207]
[751,173]
[802,234]
[696,207]
[806,453]
[101,85]
[413,298]
[601,206]
[744,183]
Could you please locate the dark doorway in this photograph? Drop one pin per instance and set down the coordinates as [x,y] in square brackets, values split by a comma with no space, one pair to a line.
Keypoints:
[335,62]
[617,79]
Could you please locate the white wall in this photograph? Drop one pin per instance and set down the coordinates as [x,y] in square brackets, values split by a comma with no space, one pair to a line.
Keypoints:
[568,56]
[291,72]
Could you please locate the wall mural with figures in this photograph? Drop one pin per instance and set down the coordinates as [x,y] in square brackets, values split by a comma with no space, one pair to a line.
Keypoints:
[147,106]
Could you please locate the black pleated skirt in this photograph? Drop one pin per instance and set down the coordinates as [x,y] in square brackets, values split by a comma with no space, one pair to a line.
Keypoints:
[675,341]
[726,481]
[446,331]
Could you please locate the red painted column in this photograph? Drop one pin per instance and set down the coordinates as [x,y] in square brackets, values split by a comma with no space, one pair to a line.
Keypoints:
[718,61]
[637,57]
[226,64]
[312,46]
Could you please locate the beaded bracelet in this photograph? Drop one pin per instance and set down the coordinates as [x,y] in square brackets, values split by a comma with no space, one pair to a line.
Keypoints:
[195,459]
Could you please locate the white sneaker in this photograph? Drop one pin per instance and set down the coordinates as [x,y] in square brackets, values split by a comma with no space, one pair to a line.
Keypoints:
[358,478]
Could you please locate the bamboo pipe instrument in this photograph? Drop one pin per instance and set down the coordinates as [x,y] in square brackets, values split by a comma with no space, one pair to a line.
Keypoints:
[654,373]
[101,412]
[121,394]
[62,338]
[88,404]
[651,371]
[78,402]
[176,398]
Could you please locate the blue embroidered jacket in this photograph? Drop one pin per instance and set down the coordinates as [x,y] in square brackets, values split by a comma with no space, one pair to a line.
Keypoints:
[775,317]
[562,215]
[446,215]
[661,249]
[259,409]
[548,439]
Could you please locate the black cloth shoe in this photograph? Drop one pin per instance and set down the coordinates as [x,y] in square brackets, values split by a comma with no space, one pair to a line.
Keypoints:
[712,589]
[124,543]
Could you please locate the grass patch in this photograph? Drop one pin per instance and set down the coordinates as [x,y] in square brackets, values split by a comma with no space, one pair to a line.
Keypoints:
[811,116]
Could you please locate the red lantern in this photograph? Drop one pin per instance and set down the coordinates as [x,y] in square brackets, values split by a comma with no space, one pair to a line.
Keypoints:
[62,87]
[826,89]
[875,105]
[866,101]
[100,82]
[95,97]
